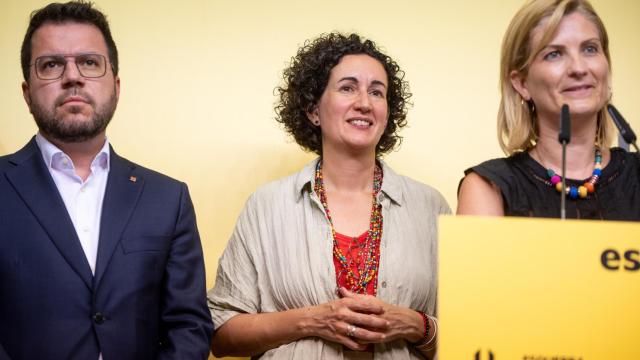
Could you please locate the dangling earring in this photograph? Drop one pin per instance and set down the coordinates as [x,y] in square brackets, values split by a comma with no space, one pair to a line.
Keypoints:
[529,103]
[610,94]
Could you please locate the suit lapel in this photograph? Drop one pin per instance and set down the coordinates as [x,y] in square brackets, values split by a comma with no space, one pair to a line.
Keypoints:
[32,181]
[124,187]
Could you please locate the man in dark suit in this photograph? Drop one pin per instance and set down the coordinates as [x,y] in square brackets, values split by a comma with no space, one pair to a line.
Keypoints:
[99,258]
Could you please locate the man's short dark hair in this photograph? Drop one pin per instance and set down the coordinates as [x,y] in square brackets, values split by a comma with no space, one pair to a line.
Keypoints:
[58,13]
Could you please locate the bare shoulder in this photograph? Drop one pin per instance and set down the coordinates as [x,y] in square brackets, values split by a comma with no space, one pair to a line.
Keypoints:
[479,196]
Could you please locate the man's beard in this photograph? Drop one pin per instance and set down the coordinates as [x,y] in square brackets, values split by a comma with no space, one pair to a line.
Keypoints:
[74,131]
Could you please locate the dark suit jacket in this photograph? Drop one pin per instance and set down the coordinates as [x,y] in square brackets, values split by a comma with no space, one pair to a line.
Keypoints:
[147,299]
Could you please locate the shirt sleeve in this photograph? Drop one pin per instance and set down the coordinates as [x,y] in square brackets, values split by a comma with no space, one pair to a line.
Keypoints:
[236,290]
[186,324]
[497,172]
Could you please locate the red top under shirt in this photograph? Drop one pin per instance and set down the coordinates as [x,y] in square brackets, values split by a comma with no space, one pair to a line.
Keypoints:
[350,248]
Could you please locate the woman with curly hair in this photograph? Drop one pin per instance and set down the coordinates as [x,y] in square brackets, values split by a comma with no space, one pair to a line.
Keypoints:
[338,260]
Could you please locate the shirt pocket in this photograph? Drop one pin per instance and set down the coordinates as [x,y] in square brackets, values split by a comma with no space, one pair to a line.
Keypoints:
[132,244]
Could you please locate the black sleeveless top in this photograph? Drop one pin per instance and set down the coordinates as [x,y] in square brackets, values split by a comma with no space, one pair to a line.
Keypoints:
[521,180]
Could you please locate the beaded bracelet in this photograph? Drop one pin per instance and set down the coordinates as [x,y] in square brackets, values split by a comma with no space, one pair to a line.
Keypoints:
[427,327]
[427,343]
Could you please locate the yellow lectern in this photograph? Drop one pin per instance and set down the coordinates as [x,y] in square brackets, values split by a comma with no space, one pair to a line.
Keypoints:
[538,289]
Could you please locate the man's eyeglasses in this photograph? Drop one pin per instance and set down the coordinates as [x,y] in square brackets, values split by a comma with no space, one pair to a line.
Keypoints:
[52,67]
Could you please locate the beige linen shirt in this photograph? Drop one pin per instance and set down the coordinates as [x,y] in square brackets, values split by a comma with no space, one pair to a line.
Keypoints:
[279,257]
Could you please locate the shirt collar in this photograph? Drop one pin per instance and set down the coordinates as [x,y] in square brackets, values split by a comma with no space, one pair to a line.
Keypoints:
[390,182]
[52,154]
[304,181]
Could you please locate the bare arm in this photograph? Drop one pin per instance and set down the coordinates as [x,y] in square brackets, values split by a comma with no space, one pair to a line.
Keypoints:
[253,334]
[478,196]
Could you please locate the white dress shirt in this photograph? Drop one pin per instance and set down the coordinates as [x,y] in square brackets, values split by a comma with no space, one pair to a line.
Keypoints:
[83,199]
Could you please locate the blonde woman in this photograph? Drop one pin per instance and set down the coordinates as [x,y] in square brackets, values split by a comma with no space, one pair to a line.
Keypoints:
[555,52]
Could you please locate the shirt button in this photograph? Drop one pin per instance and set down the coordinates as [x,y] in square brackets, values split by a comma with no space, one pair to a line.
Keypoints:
[98,318]
[384,284]
[86,229]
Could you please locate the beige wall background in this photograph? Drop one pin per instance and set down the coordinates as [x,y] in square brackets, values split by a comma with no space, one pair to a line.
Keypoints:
[198,77]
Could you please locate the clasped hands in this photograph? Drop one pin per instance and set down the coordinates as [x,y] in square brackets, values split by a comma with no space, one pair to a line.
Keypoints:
[357,320]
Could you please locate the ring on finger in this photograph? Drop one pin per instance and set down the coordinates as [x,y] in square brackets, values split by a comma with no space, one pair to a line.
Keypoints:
[351,330]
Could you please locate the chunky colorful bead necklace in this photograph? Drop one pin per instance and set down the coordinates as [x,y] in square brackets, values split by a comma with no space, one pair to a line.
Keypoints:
[368,262]
[582,191]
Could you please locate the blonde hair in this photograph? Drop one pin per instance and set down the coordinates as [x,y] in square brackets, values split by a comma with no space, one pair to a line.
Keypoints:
[517,128]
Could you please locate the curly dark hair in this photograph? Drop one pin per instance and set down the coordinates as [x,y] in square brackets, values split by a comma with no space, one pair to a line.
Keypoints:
[79,11]
[308,75]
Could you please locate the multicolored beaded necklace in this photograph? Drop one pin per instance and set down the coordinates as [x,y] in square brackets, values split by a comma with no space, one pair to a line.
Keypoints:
[367,262]
[582,191]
